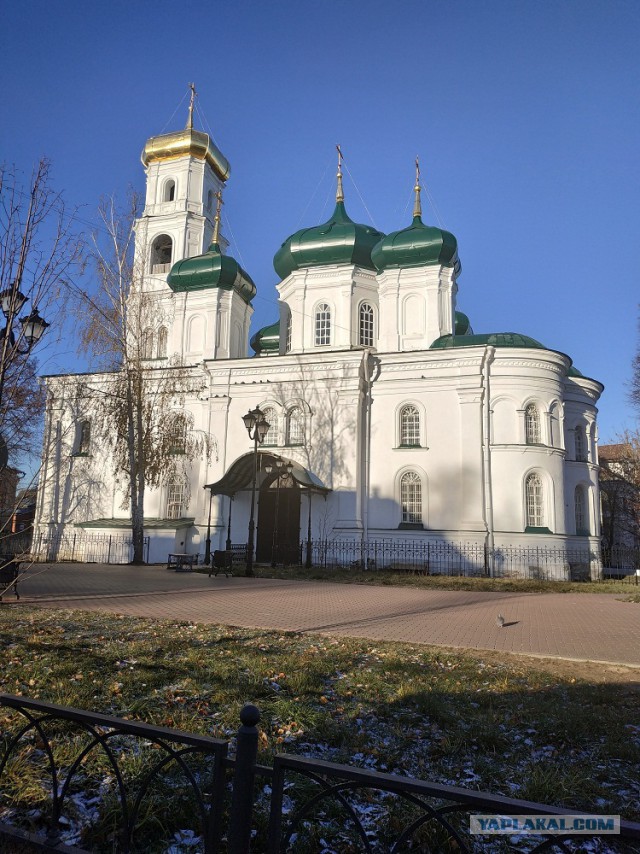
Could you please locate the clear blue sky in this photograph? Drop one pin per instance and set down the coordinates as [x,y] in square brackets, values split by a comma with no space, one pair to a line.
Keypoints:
[525,116]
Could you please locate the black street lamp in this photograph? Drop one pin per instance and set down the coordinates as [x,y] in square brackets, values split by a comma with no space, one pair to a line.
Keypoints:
[20,344]
[257,428]
[207,546]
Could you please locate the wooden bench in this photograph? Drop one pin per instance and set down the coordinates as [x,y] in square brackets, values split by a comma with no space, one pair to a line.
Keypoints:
[9,571]
[182,562]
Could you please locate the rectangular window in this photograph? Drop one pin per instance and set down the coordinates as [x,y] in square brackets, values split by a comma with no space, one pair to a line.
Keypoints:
[175,499]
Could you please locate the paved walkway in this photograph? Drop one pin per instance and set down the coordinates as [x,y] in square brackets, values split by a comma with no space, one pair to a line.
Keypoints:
[586,627]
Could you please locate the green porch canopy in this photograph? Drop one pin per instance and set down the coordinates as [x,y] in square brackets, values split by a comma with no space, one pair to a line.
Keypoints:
[240,475]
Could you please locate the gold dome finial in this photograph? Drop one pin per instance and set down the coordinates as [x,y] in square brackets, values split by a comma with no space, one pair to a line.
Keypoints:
[189,124]
[216,220]
[339,190]
[417,206]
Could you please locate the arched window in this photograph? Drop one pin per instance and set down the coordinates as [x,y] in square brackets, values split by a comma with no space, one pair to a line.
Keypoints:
[409,427]
[534,501]
[323,325]
[411,497]
[169,191]
[175,498]
[83,437]
[161,254]
[271,416]
[210,198]
[365,328]
[582,512]
[580,444]
[532,424]
[295,426]
[162,342]
[146,344]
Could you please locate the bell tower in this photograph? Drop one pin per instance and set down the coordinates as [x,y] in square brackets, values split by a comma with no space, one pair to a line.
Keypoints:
[185,170]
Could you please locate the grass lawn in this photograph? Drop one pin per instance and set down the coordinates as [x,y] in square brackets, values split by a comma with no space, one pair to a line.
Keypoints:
[533,729]
[629,589]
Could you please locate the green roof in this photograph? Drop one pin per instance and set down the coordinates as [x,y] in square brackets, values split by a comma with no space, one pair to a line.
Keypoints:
[418,245]
[267,339]
[462,324]
[495,339]
[340,240]
[211,270]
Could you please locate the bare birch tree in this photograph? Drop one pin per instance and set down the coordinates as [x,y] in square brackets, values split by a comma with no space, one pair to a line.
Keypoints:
[41,252]
[136,405]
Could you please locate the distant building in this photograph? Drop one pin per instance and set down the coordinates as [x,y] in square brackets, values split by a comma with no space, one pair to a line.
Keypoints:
[400,422]
[9,478]
[620,495]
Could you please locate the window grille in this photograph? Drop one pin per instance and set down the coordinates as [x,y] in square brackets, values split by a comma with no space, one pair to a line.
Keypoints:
[147,344]
[323,325]
[175,499]
[295,427]
[582,526]
[162,342]
[581,453]
[411,497]
[271,436]
[532,424]
[84,437]
[178,435]
[287,346]
[366,325]
[409,427]
[534,498]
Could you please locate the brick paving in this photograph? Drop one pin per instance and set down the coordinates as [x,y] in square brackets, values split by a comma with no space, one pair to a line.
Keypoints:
[585,627]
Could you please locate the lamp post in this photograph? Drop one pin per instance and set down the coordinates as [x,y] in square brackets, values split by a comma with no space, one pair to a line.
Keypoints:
[33,327]
[207,547]
[257,428]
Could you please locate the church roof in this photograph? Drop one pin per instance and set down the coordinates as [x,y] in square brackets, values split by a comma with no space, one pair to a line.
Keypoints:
[211,270]
[495,339]
[418,245]
[195,143]
[240,474]
[340,240]
[267,339]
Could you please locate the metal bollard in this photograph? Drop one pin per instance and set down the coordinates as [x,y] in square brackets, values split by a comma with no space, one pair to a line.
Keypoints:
[240,824]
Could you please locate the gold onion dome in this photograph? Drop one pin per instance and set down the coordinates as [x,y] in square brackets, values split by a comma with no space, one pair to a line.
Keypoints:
[340,240]
[194,143]
[418,245]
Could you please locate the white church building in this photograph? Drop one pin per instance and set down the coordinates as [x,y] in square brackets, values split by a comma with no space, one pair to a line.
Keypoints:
[397,429]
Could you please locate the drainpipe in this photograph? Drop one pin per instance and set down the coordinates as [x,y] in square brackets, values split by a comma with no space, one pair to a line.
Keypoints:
[487,359]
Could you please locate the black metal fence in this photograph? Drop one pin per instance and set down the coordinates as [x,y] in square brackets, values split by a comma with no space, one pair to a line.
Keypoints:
[442,557]
[84,547]
[69,762]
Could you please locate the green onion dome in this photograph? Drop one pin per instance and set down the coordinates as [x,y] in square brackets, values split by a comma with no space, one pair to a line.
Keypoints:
[494,339]
[419,245]
[266,340]
[338,241]
[211,270]
[462,324]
